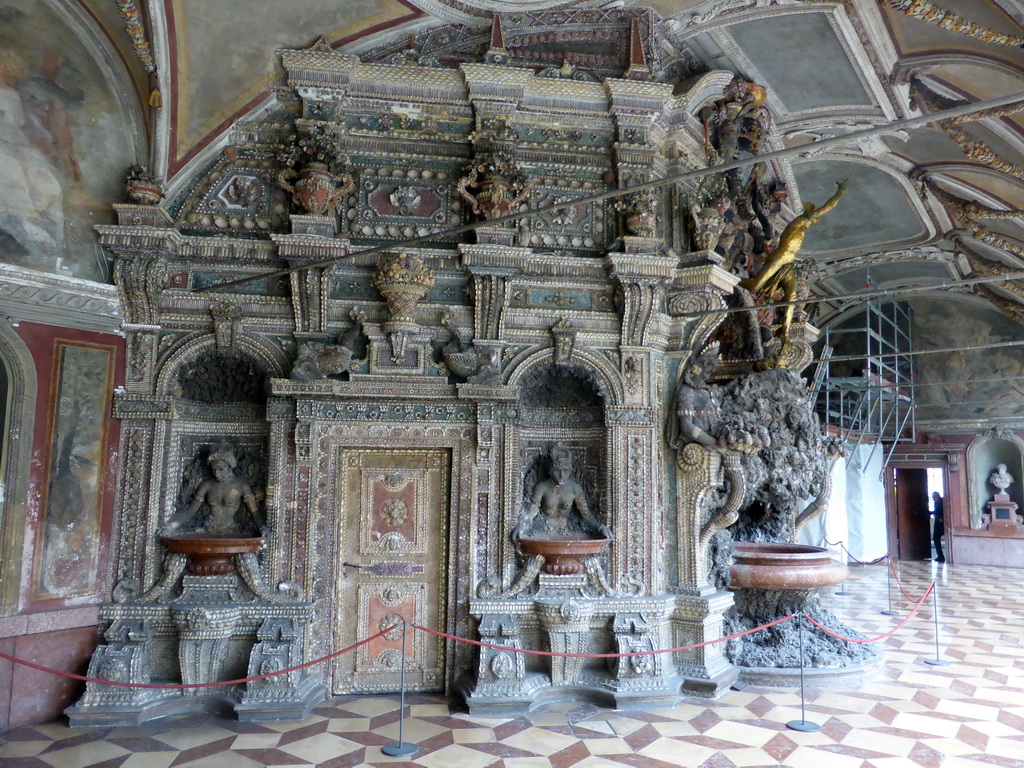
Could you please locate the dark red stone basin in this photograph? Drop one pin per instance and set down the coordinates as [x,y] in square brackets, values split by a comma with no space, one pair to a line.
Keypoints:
[562,553]
[211,554]
[777,565]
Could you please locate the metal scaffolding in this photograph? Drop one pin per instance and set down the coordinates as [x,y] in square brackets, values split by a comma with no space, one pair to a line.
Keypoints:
[873,400]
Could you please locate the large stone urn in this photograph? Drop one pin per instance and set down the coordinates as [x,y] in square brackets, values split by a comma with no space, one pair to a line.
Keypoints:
[771,580]
[778,565]
[211,554]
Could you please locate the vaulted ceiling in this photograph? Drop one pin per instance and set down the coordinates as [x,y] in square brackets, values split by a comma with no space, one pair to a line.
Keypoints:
[170,77]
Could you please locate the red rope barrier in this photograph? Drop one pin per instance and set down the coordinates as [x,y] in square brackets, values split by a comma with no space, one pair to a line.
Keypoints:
[876,561]
[120,684]
[892,631]
[456,638]
[564,655]
[898,584]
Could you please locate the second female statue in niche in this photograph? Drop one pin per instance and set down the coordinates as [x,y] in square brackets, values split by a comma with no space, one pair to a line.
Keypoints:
[224,494]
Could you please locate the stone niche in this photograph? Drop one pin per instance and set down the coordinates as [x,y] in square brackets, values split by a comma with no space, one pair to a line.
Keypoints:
[401,418]
[995,536]
[983,455]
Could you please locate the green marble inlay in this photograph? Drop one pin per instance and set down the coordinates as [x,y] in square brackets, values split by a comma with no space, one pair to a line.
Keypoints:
[540,297]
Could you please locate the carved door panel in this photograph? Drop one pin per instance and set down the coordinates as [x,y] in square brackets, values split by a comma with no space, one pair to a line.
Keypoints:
[393,524]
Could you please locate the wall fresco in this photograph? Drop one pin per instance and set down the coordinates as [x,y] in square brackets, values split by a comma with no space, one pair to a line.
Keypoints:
[59,166]
[67,542]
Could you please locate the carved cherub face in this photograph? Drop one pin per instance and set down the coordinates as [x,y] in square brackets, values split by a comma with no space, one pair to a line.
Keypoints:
[1001,469]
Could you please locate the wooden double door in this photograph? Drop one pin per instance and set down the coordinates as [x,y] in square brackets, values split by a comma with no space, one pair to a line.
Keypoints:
[394,508]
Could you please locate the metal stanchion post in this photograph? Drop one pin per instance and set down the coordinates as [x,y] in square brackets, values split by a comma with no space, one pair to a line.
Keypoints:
[888,586]
[401,748]
[846,556]
[802,724]
[936,662]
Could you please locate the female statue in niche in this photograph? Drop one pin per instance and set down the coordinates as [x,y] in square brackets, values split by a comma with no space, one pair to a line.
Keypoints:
[554,501]
[224,494]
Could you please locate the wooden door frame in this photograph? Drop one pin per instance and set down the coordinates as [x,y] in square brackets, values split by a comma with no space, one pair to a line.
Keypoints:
[945,457]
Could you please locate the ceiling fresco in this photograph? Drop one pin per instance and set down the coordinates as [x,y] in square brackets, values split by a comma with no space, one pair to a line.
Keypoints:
[169,78]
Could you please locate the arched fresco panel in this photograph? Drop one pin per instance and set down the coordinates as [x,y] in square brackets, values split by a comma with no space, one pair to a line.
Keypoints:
[64,145]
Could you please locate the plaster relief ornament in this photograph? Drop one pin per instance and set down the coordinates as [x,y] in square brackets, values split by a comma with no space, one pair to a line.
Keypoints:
[708,223]
[312,160]
[638,208]
[317,360]
[224,494]
[402,280]
[778,272]
[697,418]
[479,365]
[501,184]
[142,187]
[1000,478]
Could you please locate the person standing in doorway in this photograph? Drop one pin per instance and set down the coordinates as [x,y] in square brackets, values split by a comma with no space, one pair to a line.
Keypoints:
[939,527]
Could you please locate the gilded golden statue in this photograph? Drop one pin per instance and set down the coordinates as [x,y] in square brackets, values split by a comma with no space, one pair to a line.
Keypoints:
[777,272]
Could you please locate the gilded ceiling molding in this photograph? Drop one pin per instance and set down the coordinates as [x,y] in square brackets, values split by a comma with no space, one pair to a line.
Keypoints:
[975,149]
[987,236]
[132,18]
[967,209]
[987,268]
[1012,309]
[933,14]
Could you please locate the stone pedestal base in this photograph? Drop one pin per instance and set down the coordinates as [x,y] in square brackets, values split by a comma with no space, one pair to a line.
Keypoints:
[697,619]
[563,618]
[211,622]
[1002,515]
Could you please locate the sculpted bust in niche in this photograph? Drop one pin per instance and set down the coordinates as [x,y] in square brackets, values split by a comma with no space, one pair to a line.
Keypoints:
[1000,478]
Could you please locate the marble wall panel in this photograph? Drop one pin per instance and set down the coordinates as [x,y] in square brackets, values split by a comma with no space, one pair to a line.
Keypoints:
[39,696]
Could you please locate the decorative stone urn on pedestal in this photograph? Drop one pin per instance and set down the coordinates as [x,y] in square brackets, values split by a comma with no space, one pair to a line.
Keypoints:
[402,280]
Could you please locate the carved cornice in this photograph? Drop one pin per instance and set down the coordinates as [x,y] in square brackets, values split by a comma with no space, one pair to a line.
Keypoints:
[26,294]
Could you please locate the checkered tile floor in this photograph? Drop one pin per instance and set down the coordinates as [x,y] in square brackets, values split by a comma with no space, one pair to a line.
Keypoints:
[968,714]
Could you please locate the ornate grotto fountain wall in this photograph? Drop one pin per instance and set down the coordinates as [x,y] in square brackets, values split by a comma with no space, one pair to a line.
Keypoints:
[389,411]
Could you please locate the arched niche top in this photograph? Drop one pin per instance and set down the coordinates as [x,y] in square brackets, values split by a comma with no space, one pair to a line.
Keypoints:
[983,454]
[269,361]
[560,386]
[599,370]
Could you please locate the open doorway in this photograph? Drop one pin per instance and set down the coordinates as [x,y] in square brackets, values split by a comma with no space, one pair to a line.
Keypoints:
[911,521]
